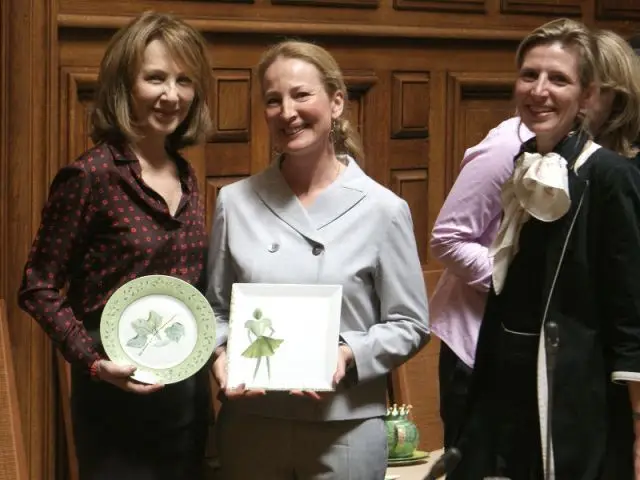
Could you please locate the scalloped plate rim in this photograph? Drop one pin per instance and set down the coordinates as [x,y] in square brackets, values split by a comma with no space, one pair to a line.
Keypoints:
[171,286]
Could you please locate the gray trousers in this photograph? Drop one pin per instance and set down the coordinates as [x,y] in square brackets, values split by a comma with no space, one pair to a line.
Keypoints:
[259,448]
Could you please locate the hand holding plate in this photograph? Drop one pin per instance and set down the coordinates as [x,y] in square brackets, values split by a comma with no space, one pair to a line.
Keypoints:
[220,375]
[242,391]
[306,393]
[120,376]
[345,359]
[219,367]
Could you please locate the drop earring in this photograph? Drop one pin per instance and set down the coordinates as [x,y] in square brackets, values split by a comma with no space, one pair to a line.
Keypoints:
[333,133]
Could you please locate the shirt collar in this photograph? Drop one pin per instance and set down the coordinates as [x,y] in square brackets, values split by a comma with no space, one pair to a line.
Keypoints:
[123,154]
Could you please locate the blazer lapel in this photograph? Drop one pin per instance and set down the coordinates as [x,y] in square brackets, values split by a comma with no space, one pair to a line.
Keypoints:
[556,244]
[274,191]
[340,197]
[571,149]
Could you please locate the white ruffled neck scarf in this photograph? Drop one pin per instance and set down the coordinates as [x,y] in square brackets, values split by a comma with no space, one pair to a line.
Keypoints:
[539,188]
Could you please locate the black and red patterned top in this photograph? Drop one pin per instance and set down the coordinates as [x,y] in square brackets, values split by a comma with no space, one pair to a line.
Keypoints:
[101,227]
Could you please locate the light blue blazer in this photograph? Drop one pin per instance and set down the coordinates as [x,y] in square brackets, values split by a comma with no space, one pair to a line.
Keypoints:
[358,234]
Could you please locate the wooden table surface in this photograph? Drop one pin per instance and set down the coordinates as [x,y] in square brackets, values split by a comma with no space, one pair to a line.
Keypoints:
[416,471]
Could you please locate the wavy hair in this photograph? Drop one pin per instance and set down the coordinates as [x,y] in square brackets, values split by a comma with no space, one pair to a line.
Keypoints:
[111,119]
[620,73]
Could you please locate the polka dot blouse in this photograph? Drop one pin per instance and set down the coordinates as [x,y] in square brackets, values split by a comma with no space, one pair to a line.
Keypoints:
[101,227]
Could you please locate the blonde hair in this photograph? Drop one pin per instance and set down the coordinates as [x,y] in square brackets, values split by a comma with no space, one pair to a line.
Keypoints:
[620,72]
[570,34]
[111,119]
[345,138]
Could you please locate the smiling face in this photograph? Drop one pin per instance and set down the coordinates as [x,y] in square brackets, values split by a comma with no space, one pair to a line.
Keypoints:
[298,109]
[548,93]
[162,93]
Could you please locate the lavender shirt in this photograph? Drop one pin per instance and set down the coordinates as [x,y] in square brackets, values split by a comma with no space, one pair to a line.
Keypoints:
[467,224]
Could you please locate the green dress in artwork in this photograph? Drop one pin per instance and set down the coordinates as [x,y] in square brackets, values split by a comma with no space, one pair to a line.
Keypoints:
[263,345]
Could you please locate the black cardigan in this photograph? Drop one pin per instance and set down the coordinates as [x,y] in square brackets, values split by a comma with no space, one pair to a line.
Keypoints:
[596,304]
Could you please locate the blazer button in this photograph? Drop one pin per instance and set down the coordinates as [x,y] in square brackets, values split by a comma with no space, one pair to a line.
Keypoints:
[317,250]
[274,247]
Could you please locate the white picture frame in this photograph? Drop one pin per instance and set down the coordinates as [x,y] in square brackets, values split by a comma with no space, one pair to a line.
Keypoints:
[283,337]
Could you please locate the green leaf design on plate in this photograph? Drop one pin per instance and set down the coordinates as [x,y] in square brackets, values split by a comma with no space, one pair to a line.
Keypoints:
[175,332]
[149,332]
[137,341]
[159,341]
[147,326]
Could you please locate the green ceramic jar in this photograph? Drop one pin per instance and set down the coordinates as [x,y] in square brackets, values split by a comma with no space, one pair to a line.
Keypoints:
[402,433]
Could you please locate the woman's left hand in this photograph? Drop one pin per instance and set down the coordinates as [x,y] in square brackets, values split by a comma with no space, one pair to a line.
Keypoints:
[345,358]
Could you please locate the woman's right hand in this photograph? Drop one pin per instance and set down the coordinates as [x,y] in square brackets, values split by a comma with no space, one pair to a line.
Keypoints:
[120,376]
[220,374]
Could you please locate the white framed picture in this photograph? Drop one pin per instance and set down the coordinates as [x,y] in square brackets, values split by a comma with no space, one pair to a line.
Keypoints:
[283,337]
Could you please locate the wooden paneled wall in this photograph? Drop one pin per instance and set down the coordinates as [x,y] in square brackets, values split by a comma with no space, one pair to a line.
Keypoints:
[426,78]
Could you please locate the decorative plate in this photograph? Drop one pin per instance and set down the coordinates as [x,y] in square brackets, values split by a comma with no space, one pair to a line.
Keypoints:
[417,457]
[160,324]
[283,337]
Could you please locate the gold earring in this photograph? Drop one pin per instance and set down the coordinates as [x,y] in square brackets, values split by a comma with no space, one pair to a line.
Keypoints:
[332,132]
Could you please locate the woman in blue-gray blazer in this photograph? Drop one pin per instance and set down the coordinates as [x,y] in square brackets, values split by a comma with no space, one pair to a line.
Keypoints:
[314,217]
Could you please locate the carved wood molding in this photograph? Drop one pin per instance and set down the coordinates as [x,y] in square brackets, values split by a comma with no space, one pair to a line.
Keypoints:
[232,1]
[4,141]
[31,119]
[401,177]
[358,84]
[410,91]
[12,452]
[460,87]
[455,6]
[412,184]
[78,86]
[568,8]
[617,10]
[330,3]
[231,105]
[359,81]
[72,20]
[212,187]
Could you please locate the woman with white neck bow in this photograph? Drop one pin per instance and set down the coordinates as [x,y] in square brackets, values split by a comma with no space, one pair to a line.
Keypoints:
[562,320]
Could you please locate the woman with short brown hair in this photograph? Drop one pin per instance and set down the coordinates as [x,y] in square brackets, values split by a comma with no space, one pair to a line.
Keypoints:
[126,208]
[112,118]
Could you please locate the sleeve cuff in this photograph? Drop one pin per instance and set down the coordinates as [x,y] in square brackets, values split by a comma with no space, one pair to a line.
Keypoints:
[84,359]
[93,370]
[623,377]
